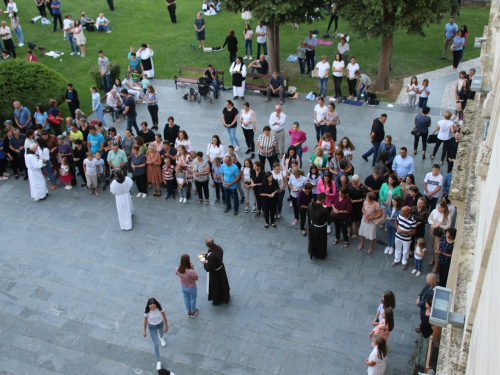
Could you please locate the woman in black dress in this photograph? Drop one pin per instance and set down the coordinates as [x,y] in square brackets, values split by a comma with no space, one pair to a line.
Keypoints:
[357,192]
[268,190]
[256,177]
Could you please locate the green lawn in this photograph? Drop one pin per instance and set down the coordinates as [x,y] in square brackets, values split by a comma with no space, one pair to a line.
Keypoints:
[134,23]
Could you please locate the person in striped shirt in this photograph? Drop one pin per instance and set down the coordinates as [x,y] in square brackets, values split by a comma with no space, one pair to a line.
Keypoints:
[406,227]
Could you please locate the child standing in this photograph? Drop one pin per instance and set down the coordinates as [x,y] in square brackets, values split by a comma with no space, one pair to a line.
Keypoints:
[90,168]
[388,300]
[100,170]
[217,180]
[180,177]
[301,58]
[65,174]
[168,176]
[385,326]
[312,178]
[376,362]
[188,277]
[145,83]
[419,256]
[391,214]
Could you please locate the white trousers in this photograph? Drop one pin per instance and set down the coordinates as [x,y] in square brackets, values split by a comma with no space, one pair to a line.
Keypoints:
[239,91]
[402,247]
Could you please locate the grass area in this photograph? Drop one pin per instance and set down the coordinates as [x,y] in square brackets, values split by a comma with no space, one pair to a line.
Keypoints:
[134,23]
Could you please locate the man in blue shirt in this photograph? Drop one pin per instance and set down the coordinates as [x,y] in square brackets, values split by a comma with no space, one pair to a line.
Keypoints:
[230,176]
[403,165]
[450,30]
[22,116]
[56,13]
[95,140]
[276,85]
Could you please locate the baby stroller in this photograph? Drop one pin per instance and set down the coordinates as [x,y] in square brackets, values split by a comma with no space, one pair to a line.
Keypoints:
[203,89]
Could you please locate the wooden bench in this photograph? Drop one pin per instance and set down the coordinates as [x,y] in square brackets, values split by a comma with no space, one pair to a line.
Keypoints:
[260,82]
[186,74]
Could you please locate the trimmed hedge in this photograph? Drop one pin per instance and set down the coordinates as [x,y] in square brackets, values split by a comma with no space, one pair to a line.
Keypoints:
[95,74]
[31,84]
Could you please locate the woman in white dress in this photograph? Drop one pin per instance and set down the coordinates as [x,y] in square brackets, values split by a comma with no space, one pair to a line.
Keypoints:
[120,188]
[239,71]
[38,185]
[146,55]
[79,37]
[376,362]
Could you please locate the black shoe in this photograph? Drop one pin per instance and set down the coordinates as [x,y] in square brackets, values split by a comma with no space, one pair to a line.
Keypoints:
[441,58]
[235,212]
[25,178]
[252,156]
[227,210]
[364,157]
[423,157]
[248,151]
[82,185]
[16,176]
[242,200]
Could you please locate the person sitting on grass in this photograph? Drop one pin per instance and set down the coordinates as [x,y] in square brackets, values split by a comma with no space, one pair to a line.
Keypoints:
[102,23]
[260,65]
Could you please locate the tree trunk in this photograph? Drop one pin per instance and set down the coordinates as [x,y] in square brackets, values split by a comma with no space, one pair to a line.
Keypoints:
[384,64]
[273,48]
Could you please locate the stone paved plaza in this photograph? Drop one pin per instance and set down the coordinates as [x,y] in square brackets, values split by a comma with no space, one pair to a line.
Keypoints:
[74,286]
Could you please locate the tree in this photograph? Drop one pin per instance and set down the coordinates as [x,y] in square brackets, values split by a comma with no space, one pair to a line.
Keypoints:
[375,18]
[30,83]
[275,13]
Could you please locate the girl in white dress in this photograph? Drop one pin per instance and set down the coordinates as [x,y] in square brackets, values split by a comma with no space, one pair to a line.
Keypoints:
[376,362]
[120,188]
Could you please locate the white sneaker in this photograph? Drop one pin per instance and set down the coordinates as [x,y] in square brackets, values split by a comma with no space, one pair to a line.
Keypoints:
[118,120]
[184,200]
[139,195]
[237,148]
[180,200]
[246,57]
[391,251]
[418,273]
[295,222]
[291,204]
[144,195]
[328,229]
[250,58]
[70,187]
[72,53]
[414,272]
[158,365]
[4,178]
[78,53]
[162,342]
[21,45]
[386,251]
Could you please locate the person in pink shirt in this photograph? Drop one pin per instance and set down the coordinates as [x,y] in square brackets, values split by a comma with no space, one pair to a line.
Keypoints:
[327,186]
[298,138]
[188,277]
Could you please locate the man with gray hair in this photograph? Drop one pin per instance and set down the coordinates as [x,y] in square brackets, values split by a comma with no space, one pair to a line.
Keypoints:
[276,86]
[277,124]
[34,164]
[428,290]
[115,102]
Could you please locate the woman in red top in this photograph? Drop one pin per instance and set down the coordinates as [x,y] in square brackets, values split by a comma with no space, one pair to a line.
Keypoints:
[188,277]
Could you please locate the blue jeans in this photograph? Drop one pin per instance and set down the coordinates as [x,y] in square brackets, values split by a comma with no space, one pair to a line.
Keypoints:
[234,193]
[214,82]
[320,130]
[232,136]
[153,332]
[189,297]
[248,46]
[106,82]
[132,122]
[362,90]
[100,114]
[391,236]
[298,151]
[373,150]
[422,102]
[102,28]
[48,170]
[72,43]
[418,265]
[302,65]
[322,86]
[19,33]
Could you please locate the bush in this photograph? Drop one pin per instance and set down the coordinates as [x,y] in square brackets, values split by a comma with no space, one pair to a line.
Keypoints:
[31,84]
[95,74]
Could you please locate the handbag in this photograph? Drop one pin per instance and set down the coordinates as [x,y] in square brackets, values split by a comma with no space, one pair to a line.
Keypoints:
[432,138]
[378,220]
[53,120]
[305,149]
[438,232]
[459,107]
[415,132]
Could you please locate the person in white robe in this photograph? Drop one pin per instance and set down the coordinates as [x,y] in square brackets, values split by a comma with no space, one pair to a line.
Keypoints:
[120,188]
[239,71]
[38,185]
[146,55]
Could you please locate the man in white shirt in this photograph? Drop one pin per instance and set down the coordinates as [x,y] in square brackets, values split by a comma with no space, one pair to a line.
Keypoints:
[260,33]
[68,25]
[102,23]
[115,102]
[433,183]
[277,124]
[7,39]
